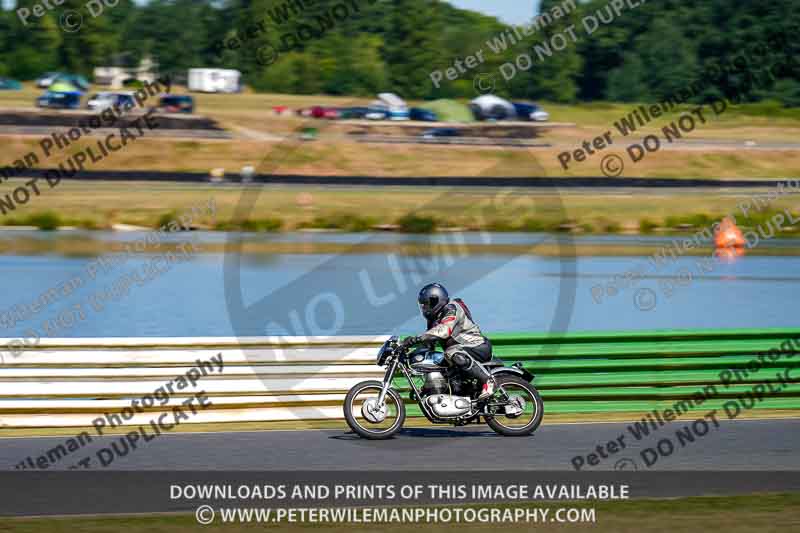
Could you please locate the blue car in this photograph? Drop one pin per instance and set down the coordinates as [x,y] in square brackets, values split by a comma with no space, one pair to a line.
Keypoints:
[440,132]
[425,115]
[52,100]
[176,103]
[530,112]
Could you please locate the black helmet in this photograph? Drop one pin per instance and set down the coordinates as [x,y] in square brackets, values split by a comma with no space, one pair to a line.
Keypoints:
[431,299]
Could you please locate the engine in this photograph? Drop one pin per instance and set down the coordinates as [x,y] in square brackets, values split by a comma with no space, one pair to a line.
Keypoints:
[435,383]
[446,405]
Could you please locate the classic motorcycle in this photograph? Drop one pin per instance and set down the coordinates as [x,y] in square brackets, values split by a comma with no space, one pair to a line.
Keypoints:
[375,410]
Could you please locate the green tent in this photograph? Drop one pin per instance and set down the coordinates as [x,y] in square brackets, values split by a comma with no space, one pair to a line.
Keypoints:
[63,86]
[450,110]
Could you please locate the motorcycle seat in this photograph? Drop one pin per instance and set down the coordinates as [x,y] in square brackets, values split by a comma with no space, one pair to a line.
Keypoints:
[494,363]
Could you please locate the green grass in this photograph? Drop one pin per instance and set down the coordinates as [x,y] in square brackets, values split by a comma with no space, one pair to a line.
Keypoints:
[45,221]
[341,222]
[647,226]
[267,225]
[413,223]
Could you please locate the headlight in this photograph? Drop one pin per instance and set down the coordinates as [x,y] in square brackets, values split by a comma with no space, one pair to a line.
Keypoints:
[383,353]
[386,350]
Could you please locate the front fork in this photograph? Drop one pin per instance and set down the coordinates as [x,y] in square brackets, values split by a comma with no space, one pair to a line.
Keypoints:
[387,382]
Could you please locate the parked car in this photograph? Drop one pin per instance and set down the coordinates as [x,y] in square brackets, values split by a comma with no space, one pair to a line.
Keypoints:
[417,113]
[319,111]
[377,113]
[101,101]
[490,107]
[353,113]
[7,84]
[175,103]
[530,112]
[59,100]
[440,132]
[126,100]
[46,80]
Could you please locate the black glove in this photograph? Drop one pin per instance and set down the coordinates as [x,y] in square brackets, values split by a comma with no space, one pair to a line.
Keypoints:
[409,341]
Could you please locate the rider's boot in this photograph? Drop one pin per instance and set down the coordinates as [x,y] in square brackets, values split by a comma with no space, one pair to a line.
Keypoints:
[485,379]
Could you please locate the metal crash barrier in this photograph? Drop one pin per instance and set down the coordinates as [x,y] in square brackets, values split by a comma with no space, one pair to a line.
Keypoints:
[71,382]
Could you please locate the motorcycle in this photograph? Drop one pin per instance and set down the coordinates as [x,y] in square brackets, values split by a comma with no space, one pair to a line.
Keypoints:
[375,410]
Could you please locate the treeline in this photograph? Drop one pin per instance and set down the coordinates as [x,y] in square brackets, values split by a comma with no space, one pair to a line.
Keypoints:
[374,45]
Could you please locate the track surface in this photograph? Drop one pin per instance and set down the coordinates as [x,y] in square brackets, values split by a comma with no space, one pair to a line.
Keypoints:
[737,445]
[542,183]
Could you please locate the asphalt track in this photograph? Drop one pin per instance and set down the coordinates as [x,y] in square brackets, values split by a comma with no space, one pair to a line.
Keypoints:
[753,445]
[534,183]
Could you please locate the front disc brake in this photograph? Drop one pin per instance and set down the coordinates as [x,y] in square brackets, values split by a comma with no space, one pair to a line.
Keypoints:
[373,412]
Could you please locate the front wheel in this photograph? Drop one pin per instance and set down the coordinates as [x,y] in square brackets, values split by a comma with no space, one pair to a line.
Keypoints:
[367,418]
[517,407]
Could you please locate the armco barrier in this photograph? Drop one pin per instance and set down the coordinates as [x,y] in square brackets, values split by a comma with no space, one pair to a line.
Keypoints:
[69,382]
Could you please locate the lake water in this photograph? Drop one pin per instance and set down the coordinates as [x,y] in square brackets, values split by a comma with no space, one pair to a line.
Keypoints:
[376,294]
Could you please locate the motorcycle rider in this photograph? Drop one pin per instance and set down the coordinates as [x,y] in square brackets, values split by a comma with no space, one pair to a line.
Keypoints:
[450,323]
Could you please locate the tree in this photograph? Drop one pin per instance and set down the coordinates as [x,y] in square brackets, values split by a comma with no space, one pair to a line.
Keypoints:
[555,63]
[34,48]
[413,46]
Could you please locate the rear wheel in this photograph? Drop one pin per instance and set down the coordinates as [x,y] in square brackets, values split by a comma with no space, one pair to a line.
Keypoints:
[369,420]
[516,406]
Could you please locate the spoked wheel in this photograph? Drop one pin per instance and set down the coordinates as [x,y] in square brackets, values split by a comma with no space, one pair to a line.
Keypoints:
[367,418]
[517,407]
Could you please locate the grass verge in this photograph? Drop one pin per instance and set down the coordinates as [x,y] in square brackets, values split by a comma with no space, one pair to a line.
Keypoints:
[411,209]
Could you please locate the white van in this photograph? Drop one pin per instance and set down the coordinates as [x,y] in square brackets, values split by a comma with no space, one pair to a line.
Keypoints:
[394,107]
[214,80]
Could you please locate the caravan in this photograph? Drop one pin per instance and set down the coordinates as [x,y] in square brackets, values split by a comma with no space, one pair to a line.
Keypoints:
[214,80]
[394,107]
